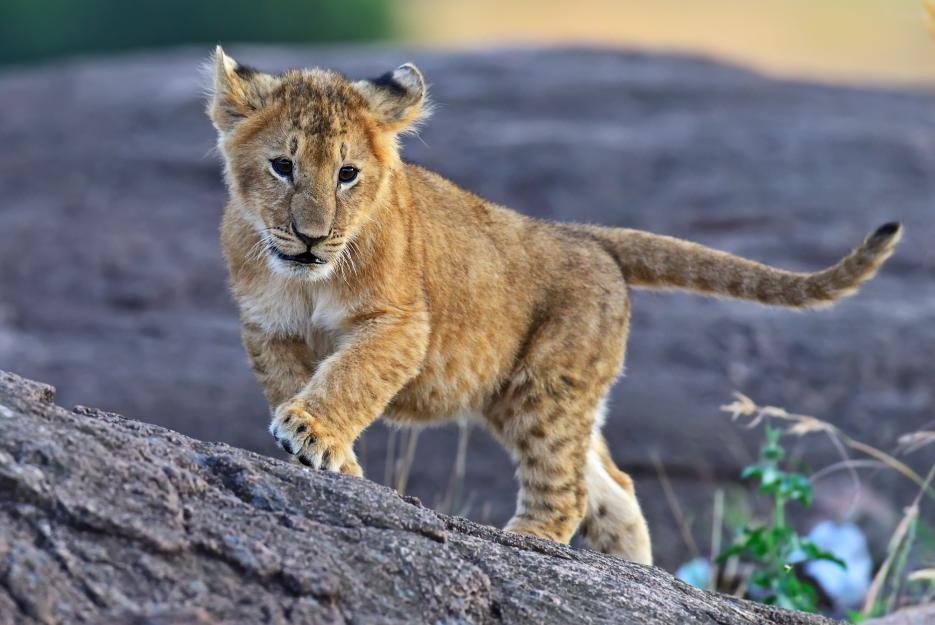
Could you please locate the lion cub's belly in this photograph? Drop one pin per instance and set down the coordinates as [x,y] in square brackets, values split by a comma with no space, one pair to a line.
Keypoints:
[459,375]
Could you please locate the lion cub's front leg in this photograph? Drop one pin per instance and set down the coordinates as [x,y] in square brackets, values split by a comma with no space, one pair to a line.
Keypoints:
[283,365]
[349,390]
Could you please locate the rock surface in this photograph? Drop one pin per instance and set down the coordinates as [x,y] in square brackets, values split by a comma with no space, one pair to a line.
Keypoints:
[108,520]
[917,615]
[112,285]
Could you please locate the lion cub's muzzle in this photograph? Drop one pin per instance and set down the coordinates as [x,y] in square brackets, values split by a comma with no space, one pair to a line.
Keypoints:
[308,257]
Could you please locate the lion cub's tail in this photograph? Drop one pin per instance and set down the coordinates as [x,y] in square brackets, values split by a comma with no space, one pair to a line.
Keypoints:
[661,262]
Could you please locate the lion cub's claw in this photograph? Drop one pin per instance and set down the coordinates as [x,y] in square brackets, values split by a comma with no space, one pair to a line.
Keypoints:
[303,436]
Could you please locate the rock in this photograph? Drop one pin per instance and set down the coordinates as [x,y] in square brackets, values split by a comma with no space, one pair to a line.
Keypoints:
[112,285]
[108,520]
[917,615]
[166,617]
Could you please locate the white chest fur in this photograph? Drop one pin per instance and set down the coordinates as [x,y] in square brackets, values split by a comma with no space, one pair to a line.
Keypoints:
[327,312]
[287,306]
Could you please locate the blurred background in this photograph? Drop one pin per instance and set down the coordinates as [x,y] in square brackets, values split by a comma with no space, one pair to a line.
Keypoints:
[839,40]
[782,130]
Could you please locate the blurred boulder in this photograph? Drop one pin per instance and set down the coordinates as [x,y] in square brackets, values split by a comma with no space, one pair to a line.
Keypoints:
[698,572]
[846,586]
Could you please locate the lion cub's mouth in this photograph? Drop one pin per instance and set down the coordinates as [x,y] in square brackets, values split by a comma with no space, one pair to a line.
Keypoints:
[305,258]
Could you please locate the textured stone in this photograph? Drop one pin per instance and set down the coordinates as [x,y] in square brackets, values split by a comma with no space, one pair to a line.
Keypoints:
[916,615]
[108,520]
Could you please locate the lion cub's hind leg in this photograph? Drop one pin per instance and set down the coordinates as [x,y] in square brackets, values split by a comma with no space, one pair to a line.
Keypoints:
[546,414]
[549,418]
[613,523]
[549,444]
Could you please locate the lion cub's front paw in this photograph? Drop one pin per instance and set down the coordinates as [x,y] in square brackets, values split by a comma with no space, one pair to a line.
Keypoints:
[299,433]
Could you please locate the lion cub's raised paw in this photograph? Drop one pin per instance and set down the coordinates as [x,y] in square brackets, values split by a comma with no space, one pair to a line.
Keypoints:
[299,433]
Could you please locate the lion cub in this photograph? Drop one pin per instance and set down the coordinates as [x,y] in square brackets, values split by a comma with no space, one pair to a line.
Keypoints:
[368,286]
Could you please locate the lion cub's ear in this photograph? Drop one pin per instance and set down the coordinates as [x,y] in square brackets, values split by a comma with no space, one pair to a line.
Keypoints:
[236,91]
[398,99]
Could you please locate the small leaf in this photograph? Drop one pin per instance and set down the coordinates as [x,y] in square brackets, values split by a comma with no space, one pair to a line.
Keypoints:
[761,579]
[737,549]
[797,487]
[770,476]
[814,552]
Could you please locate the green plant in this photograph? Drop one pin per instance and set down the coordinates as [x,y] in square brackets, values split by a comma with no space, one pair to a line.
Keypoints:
[911,543]
[771,549]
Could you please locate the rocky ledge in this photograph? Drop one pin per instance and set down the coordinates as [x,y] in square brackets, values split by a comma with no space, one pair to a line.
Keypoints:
[108,520]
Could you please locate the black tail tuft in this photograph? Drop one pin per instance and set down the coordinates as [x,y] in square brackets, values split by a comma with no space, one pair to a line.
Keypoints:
[883,237]
[887,230]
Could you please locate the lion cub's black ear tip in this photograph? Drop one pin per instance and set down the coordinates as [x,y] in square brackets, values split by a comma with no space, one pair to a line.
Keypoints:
[398,99]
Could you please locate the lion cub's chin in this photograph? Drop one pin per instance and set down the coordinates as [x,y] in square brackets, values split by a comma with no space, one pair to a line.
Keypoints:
[296,271]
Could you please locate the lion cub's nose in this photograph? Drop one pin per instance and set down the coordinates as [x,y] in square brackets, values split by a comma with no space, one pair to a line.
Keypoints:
[307,240]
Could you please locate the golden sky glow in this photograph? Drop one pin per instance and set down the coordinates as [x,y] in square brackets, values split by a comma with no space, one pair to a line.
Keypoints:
[837,40]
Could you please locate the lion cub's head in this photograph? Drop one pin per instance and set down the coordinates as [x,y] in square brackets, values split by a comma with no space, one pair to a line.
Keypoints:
[307,153]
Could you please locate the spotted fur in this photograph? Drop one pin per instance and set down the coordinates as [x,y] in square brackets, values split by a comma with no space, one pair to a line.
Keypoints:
[423,302]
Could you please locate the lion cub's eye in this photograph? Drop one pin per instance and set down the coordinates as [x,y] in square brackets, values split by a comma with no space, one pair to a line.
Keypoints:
[347,174]
[282,166]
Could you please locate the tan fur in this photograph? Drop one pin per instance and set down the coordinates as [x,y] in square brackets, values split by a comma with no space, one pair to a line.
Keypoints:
[431,302]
